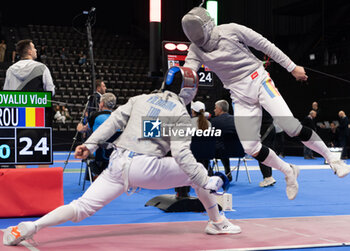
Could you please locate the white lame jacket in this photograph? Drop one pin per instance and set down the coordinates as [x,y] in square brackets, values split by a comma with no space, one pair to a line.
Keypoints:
[232,60]
[129,118]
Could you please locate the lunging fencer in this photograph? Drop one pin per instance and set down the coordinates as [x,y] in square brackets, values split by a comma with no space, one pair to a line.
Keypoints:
[139,161]
[224,49]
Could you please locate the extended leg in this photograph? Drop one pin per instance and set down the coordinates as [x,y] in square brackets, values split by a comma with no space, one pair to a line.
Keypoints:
[105,188]
[247,122]
[279,110]
[310,139]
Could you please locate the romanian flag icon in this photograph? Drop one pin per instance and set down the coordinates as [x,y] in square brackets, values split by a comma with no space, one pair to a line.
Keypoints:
[270,88]
[31,117]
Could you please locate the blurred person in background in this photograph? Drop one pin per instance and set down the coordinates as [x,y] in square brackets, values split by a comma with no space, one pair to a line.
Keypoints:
[343,130]
[28,74]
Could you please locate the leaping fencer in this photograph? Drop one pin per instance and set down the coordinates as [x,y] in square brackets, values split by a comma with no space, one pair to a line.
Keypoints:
[138,161]
[224,49]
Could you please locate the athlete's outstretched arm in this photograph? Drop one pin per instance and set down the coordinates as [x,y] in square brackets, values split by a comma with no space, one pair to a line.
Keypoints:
[118,120]
[299,73]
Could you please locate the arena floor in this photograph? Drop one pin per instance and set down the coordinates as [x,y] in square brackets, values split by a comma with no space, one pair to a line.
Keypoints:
[317,219]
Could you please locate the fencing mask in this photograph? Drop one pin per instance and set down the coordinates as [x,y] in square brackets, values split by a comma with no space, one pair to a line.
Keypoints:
[200,29]
[183,81]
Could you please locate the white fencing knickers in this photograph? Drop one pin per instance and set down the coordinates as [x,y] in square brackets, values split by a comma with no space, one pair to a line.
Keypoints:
[125,171]
[249,96]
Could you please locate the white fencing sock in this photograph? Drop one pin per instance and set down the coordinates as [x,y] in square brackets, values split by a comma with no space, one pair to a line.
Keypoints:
[209,202]
[316,144]
[274,161]
[57,216]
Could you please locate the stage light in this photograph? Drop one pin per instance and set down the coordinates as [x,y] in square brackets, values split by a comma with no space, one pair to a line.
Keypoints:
[212,8]
[170,46]
[182,47]
[155,13]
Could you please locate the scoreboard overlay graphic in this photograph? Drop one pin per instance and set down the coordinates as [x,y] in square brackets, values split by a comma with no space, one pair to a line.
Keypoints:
[25,137]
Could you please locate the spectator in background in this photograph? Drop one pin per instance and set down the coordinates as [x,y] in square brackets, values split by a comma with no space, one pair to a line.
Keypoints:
[225,122]
[343,130]
[59,117]
[15,56]
[27,74]
[94,99]
[309,121]
[65,112]
[198,119]
[106,106]
[334,135]
[315,107]
[268,133]
[63,53]
[81,58]
[42,53]
[2,50]
[279,140]
[93,103]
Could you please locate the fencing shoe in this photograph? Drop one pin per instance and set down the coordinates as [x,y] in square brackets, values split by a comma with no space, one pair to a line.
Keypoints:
[224,226]
[14,235]
[340,168]
[292,183]
[269,181]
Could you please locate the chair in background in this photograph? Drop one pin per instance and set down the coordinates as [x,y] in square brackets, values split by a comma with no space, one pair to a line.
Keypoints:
[233,149]
[98,162]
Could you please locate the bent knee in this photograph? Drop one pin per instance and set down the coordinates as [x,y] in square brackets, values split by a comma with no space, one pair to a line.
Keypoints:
[251,147]
[290,125]
[305,133]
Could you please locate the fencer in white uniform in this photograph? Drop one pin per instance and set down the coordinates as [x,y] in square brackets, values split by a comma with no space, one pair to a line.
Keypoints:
[139,161]
[224,49]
